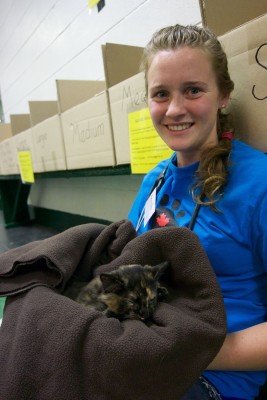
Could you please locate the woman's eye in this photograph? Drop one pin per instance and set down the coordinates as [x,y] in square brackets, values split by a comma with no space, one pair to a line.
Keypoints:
[160,95]
[193,91]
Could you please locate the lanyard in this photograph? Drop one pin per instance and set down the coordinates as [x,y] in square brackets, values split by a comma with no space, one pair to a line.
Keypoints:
[154,191]
[155,188]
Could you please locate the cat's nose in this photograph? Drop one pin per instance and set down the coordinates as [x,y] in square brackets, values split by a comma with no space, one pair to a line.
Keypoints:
[145,315]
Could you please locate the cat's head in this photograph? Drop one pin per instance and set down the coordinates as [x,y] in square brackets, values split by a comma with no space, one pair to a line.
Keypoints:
[133,291]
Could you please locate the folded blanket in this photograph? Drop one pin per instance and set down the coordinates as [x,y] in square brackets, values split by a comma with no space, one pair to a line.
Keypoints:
[54,348]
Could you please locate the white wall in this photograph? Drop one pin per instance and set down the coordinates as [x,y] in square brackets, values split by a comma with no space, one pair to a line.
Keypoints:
[106,198]
[41,41]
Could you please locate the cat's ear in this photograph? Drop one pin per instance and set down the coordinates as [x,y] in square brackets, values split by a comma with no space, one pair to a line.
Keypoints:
[110,283]
[160,268]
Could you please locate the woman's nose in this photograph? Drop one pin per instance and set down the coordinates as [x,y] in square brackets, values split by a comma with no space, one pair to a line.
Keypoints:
[176,107]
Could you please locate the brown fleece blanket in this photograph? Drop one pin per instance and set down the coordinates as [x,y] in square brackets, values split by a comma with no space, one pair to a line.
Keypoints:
[54,348]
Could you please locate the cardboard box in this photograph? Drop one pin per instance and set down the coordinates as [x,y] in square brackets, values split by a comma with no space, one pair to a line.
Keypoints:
[125,97]
[88,134]
[49,146]
[5,131]
[24,142]
[120,62]
[126,91]
[19,123]
[49,150]
[70,93]
[8,157]
[41,110]
[246,49]
[223,16]
[87,127]
[85,124]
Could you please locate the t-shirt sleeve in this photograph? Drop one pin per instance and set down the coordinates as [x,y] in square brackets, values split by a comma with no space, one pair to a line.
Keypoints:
[259,229]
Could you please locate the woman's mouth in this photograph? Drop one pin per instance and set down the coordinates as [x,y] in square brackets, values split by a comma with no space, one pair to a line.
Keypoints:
[179,127]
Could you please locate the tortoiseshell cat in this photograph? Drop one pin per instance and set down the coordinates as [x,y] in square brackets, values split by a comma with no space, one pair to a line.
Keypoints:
[130,292]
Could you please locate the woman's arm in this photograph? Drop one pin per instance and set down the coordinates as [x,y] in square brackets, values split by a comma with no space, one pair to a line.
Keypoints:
[243,350]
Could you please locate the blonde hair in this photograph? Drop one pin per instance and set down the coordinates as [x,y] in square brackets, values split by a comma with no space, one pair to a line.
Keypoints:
[211,176]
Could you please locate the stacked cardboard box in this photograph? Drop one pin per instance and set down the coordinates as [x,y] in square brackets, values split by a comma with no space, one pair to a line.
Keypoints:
[5,133]
[125,97]
[126,92]
[224,16]
[246,49]
[48,145]
[88,128]
[85,124]
[8,150]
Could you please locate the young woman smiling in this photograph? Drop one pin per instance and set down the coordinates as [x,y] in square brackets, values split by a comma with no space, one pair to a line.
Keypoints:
[215,185]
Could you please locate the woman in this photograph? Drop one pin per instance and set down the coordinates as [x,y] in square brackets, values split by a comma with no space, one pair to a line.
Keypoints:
[216,186]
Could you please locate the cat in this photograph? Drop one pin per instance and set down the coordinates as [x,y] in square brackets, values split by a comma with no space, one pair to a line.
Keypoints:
[129,292]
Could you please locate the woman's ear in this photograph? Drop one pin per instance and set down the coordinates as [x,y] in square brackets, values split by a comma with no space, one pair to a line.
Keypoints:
[224,101]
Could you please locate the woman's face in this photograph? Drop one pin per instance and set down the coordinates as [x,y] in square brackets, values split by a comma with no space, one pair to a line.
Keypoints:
[184,99]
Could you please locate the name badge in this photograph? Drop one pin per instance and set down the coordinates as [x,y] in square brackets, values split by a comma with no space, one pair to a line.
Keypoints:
[148,210]
[150,207]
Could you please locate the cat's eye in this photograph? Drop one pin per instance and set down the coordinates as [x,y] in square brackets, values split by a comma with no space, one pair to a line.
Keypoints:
[152,301]
[162,293]
[133,304]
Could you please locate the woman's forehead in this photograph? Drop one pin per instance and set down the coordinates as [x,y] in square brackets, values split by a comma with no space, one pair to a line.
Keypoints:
[184,64]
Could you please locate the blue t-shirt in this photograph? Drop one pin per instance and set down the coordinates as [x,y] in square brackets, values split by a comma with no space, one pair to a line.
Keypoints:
[235,240]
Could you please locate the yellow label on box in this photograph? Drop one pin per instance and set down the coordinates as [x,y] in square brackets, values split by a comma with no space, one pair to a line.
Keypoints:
[147,148]
[25,166]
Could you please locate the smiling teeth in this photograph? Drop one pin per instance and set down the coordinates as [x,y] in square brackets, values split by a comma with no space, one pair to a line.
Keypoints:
[179,127]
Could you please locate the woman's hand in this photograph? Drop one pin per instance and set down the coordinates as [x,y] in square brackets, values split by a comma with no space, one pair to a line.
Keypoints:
[244,350]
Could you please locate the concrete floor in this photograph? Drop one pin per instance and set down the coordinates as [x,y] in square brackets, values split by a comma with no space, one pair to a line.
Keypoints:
[18,236]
